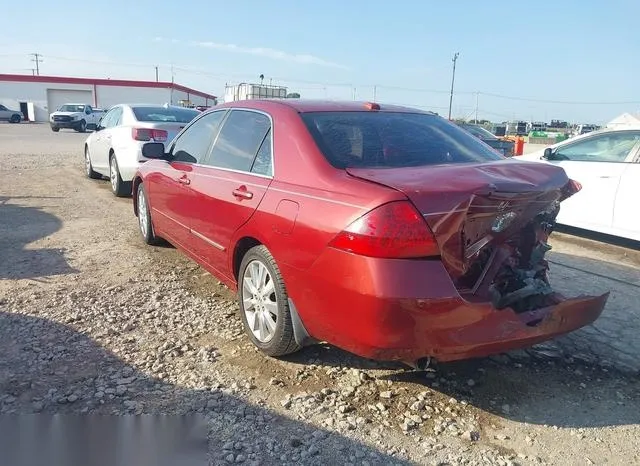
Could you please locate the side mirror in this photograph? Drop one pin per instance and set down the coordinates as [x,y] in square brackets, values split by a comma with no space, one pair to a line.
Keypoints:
[548,154]
[154,150]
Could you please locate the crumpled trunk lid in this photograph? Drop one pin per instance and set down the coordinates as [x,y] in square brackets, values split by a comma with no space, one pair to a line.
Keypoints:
[470,207]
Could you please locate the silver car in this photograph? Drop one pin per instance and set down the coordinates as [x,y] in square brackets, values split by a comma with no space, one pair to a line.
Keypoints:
[12,116]
[115,148]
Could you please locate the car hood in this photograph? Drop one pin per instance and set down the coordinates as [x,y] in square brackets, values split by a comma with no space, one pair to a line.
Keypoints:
[67,113]
[473,205]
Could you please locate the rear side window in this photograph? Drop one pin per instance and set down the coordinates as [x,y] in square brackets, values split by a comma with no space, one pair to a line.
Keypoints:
[164,114]
[393,139]
[239,140]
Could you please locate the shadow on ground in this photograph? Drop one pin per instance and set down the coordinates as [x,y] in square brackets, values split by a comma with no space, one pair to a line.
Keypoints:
[21,225]
[47,368]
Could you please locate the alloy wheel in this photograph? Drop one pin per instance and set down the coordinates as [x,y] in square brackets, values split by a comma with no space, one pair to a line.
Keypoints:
[259,301]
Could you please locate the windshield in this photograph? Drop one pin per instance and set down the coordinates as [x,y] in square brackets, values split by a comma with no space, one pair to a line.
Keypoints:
[479,131]
[390,139]
[72,108]
[165,114]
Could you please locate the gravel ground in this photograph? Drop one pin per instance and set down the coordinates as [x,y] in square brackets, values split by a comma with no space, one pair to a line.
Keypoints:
[94,321]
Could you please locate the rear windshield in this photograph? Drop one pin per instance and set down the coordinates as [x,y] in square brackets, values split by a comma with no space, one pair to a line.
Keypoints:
[390,139]
[165,114]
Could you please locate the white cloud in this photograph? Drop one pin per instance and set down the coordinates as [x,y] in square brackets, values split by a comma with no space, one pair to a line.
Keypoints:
[274,54]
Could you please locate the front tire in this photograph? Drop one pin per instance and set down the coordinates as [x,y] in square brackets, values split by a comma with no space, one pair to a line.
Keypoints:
[88,167]
[119,187]
[264,304]
[82,126]
[55,129]
[15,119]
[144,218]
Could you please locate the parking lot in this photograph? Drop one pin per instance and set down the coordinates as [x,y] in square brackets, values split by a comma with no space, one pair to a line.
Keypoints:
[93,320]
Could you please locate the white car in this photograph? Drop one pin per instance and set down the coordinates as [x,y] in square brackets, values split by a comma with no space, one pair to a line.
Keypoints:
[607,165]
[115,148]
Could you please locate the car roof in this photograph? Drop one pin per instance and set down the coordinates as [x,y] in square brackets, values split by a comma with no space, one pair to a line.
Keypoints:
[304,105]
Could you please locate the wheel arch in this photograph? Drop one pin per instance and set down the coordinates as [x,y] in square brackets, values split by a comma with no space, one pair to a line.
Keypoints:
[242,246]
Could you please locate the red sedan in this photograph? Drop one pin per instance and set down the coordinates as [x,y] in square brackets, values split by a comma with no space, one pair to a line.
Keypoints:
[386,231]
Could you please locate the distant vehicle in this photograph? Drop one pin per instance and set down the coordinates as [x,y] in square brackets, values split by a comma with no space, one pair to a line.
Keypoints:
[584,129]
[558,124]
[114,149]
[537,126]
[607,165]
[386,231]
[246,91]
[12,116]
[517,128]
[504,146]
[79,117]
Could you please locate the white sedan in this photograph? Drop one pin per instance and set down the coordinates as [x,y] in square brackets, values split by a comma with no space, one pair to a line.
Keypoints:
[115,148]
[607,165]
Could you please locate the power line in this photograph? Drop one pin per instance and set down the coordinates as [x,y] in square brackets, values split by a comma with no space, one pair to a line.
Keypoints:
[37,59]
[564,102]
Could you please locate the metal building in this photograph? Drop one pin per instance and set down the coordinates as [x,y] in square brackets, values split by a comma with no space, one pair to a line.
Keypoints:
[38,96]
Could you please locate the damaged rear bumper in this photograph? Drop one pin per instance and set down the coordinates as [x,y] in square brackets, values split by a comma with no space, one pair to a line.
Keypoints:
[399,310]
[504,330]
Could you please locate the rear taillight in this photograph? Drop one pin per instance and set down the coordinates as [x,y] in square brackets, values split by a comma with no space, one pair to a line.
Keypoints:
[393,230]
[147,134]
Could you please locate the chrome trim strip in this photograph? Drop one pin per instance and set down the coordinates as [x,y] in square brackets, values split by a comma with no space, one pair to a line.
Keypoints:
[170,218]
[207,240]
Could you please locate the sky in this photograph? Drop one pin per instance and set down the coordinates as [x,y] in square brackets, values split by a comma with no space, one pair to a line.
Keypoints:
[571,60]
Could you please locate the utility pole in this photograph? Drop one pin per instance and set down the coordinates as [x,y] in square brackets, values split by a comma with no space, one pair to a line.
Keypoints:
[453,78]
[477,94]
[157,77]
[36,58]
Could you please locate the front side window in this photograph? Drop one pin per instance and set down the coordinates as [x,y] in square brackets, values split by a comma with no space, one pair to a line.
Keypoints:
[612,147]
[393,139]
[193,144]
[109,119]
[116,116]
[240,138]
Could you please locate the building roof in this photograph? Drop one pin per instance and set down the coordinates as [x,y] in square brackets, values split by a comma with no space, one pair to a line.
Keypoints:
[103,82]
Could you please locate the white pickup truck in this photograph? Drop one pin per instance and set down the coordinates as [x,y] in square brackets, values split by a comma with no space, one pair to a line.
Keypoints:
[75,116]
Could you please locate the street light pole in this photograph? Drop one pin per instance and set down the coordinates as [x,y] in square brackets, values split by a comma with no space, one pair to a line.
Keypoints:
[453,78]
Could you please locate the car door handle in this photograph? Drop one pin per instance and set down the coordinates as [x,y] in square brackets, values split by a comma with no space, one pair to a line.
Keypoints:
[184,180]
[242,193]
[606,176]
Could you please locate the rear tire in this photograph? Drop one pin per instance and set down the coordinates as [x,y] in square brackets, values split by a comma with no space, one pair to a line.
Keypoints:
[119,187]
[144,218]
[264,304]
